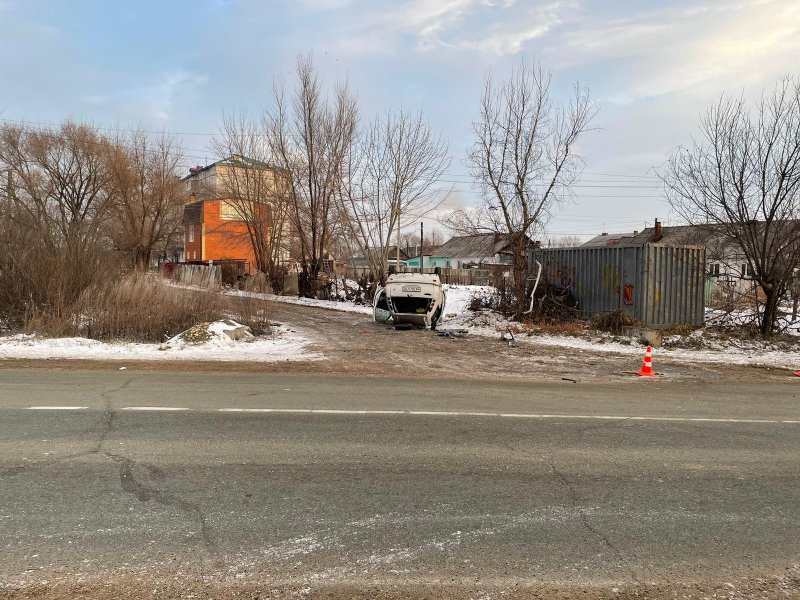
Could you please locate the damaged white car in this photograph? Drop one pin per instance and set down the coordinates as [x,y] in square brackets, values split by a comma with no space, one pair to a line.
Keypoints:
[410,298]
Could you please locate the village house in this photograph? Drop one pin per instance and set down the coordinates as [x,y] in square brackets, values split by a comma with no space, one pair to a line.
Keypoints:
[466,251]
[359,261]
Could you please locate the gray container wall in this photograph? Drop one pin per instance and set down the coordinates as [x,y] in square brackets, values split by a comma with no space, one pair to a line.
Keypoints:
[661,286]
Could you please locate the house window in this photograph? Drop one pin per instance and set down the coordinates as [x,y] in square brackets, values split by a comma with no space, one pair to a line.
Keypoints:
[715,270]
[191,233]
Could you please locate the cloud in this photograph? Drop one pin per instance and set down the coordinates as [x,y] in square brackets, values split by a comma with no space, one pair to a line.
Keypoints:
[503,38]
[320,5]
[153,101]
[492,28]
[712,46]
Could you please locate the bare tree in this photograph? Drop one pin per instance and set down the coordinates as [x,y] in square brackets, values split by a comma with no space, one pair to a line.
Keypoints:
[524,160]
[59,196]
[145,214]
[256,189]
[310,137]
[565,241]
[741,180]
[390,181]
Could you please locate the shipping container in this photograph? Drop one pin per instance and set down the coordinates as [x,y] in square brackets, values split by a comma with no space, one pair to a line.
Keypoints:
[659,286]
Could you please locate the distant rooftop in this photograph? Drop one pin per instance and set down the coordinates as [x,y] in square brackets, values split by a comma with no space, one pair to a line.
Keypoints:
[481,245]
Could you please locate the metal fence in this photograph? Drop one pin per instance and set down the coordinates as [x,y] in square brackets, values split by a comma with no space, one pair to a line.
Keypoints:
[660,286]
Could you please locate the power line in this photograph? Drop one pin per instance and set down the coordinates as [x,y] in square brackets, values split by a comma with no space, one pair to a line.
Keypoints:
[205,154]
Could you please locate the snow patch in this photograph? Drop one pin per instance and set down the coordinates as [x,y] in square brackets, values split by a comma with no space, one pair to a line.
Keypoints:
[283,344]
[341,306]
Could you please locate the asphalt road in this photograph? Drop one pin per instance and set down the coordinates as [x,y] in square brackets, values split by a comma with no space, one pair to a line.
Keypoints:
[299,485]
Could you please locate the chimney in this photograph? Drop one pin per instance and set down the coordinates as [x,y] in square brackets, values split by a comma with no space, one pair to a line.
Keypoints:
[657,234]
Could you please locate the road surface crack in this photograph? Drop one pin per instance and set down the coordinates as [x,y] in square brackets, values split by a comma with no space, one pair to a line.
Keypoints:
[107,425]
[144,493]
[604,539]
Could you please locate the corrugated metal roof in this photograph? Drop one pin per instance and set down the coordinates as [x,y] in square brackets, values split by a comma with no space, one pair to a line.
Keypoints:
[609,239]
[484,245]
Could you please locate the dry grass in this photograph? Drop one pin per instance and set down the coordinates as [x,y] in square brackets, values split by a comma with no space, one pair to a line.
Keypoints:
[142,307]
[614,322]
[259,282]
[250,311]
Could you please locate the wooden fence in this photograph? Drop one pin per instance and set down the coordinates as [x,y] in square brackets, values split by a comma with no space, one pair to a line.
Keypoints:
[207,276]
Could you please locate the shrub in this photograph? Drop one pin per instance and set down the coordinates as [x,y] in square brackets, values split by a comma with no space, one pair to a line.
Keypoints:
[258,282]
[613,322]
[142,307]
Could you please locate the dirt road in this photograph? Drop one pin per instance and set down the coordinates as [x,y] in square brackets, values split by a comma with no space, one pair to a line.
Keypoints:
[351,343]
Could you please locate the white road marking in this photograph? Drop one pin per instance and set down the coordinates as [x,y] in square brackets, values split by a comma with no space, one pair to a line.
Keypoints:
[413,413]
[151,408]
[57,407]
[445,413]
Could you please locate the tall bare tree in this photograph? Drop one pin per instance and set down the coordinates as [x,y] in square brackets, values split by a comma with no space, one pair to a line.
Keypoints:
[256,189]
[390,181]
[145,214]
[524,160]
[59,197]
[310,136]
[740,179]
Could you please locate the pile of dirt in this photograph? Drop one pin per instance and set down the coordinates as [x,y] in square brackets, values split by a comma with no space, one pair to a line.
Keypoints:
[220,333]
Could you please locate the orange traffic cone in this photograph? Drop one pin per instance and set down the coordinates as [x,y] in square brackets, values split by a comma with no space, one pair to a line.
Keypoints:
[647,365]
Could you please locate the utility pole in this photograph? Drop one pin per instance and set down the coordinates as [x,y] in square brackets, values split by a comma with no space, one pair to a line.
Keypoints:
[397,264]
[421,254]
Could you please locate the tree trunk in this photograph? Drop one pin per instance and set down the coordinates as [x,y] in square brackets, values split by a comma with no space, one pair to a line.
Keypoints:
[141,259]
[519,267]
[770,315]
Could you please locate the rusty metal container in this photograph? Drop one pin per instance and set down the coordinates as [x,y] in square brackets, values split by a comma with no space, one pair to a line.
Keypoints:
[660,286]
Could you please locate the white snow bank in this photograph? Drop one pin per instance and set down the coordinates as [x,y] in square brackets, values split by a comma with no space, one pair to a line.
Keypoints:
[459,297]
[282,345]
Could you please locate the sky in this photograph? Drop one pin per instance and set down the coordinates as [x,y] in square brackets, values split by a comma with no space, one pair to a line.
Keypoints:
[177,65]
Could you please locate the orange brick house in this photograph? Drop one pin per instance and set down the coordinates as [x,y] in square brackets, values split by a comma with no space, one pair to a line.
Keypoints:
[214,228]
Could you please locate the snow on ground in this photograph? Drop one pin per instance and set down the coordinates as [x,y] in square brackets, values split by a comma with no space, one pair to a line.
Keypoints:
[741,317]
[342,306]
[458,298]
[282,345]
[727,353]
[488,323]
